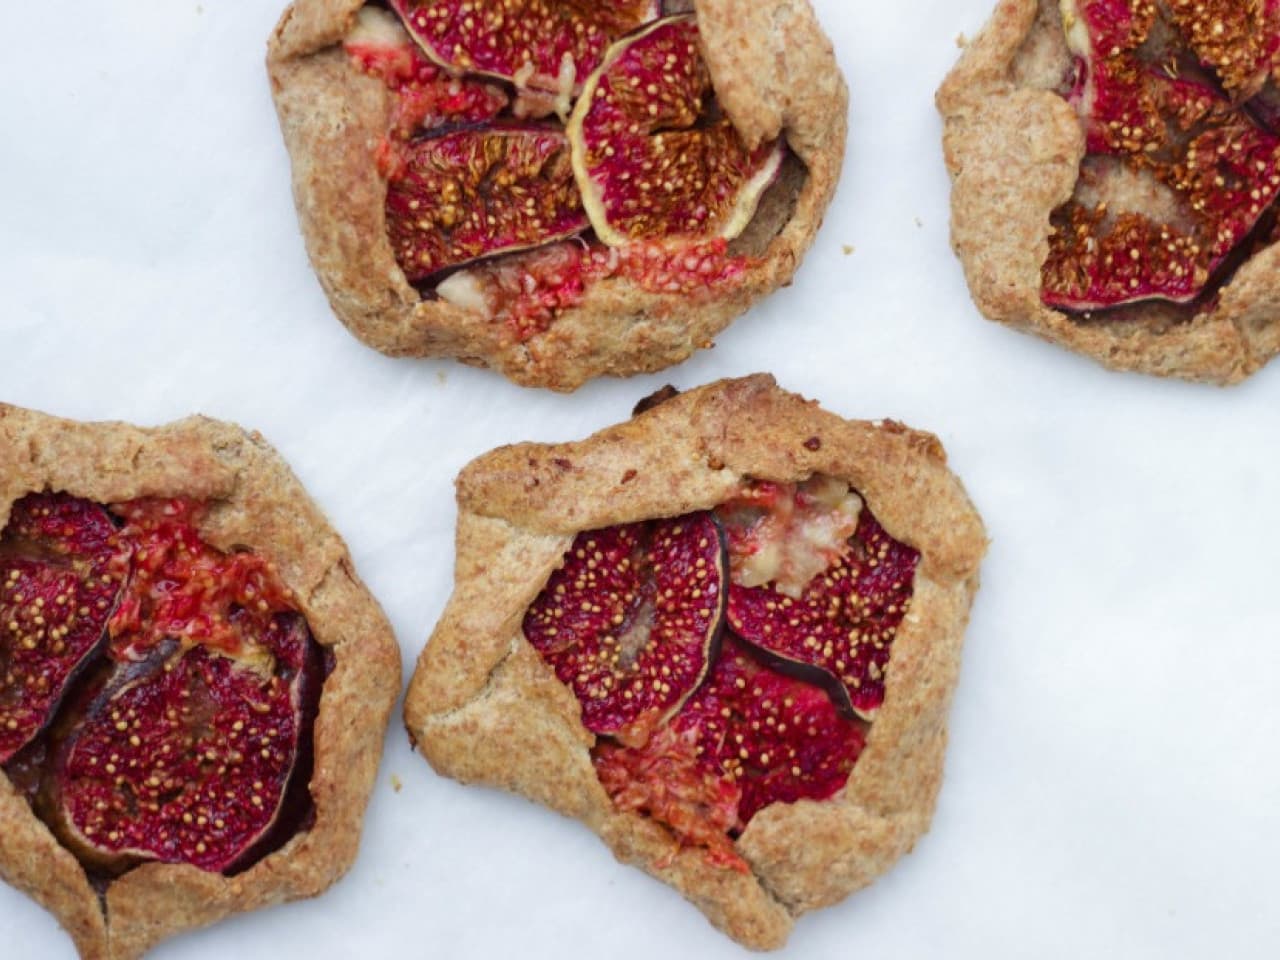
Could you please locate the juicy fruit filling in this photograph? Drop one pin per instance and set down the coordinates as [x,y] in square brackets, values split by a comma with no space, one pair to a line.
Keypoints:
[732,695]
[650,160]
[164,690]
[1183,166]
[485,209]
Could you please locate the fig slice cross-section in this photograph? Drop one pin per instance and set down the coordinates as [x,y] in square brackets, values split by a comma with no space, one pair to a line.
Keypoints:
[748,738]
[474,193]
[839,631]
[186,757]
[1178,132]
[652,155]
[548,45]
[61,572]
[632,621]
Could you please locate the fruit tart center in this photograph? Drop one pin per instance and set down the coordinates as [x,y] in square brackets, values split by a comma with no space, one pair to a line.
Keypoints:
[760,667]
[540,147]
[1179,105]
[157,695]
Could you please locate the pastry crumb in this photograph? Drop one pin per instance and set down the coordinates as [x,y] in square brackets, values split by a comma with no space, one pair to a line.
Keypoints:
[848,249]
[441,377]
[961,40]
[919,222]
[396,783]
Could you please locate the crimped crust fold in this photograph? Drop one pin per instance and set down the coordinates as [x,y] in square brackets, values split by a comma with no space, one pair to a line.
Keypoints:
[255,502]
[483,708]
[1013,148]
[774,71]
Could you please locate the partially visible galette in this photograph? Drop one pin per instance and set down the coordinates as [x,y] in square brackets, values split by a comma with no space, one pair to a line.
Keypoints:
[724,635]
[193,683]
[557,189]
[1116,167]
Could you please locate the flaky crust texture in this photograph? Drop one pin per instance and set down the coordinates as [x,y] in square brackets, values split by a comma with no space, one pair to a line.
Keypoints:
[484,708]
[774,72]
[1013,148]
[256,502]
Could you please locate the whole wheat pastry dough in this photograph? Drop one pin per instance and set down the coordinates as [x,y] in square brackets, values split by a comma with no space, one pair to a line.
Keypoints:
[1014,147]
[483,707]
[774,75]
[254,501]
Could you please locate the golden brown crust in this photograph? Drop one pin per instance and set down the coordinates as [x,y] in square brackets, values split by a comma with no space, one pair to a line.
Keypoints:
[774,72]
[483,707]
[257,502]
[1013,147]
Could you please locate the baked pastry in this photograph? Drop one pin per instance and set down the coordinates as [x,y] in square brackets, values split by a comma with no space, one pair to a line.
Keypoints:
[194,684]
[461,196]
[724,635]
[1115,169]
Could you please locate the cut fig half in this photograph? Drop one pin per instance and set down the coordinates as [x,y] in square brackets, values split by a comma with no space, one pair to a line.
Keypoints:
[547,45]
[839,631]
[177,686]
[187,756]
[61,571]
[426,96]
[1238,42]
[632,621]
[652,156]
[1222,167]
[749,738]
[475,193]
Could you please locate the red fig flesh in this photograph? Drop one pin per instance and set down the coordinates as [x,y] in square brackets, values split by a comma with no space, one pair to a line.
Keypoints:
[844,621]
[631,622]
[1239,42]
[190,740]
[651,158]
[750,737]
[188,759]
[426,96]
[474,193]
[1223,169]
[61,569]
[544,44]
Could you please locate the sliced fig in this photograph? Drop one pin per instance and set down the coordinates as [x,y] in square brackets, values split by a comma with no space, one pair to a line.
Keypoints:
[187,756]
[61,571]
[652,156]
[750,737]
[474,193]
[426,97]
[1239,42]
[546,45]
[843,624]
[632,621]
[1222,167]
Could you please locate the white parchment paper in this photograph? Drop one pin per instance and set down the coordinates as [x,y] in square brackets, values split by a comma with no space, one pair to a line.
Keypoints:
[1113,777]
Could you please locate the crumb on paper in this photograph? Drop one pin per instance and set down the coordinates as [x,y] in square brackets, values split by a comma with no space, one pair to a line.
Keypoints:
[848,249]
[199,9]
[396,783]
[961,40]
[441,377]
[919,222]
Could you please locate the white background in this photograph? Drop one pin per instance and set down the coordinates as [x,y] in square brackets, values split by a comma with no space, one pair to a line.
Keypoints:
[1113,779]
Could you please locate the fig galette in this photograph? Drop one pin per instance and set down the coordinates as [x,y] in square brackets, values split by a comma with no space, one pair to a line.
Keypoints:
[1115,166]
[724,635]
[557,189]
[194,685]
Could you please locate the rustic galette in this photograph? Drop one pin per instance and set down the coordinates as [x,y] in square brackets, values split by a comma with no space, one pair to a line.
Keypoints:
[194,686]
[1116,165]
[724,635]
[557,189]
